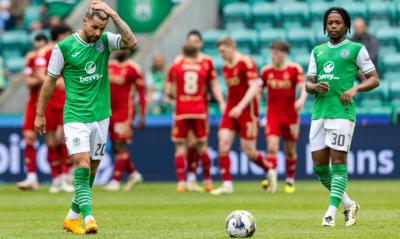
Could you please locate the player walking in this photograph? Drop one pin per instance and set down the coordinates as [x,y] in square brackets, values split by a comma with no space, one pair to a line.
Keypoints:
[281,79]
[187,80]
[82,60]
[125,75]
[241,113]
[28,130]
[332,71]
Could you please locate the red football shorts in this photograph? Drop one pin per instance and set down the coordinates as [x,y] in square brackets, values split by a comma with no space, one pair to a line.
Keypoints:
[246,125]
[54,118]
[29,117]
[181,128]
[117,131]
[283,125]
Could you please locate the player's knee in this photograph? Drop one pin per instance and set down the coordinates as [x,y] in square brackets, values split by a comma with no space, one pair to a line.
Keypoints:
[29,137]
[224,146]
[180,149]
[272,151]
[291,154]
[119,147]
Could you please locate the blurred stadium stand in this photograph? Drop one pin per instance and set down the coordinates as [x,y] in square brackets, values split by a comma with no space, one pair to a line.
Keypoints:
[254,24]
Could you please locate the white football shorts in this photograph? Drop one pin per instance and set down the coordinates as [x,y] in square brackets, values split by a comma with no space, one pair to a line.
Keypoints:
[87,137]
[333,133]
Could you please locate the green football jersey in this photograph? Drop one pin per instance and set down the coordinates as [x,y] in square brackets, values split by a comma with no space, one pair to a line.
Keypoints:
[338,65]
[84,68]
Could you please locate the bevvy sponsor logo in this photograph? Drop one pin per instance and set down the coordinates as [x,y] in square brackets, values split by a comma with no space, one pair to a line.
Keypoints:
[90,69]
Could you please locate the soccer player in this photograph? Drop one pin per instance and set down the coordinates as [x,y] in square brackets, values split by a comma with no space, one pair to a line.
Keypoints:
[281,79]
[82,60]
[332,71]
[241,112]
[28,130]
[57,155]
[125,75]
[187,80]
[195,38]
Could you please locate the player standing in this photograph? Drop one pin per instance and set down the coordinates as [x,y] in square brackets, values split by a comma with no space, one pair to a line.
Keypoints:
[57,155]
[187,80]
[194,37]
[241,112]
[332,71]
[125,75]
[281,79]
[28,129]
[82,60]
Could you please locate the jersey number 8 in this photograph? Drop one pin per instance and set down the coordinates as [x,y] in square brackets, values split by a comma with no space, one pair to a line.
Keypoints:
[190,79]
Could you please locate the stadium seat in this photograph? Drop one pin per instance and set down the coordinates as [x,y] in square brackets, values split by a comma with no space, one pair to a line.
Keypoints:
[265,15]
[387,37]
[320,36]
[295,14]
[210,39]
[15,64]
[391,77]
[303,60]
[15,39]
[301,39]
[259,60]
[246,40]
[391,62]
[355,9]
[376,97]
[218,63]
[236,15]
[223,3]
[394,91]
[268,36]
[317,10]
[31,14]
[380,13]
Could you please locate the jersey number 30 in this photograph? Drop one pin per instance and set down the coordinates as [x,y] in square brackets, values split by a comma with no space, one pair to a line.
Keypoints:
[190,85]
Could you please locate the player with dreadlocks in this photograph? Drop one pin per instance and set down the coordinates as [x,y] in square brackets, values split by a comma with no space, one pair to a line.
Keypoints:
[333,68]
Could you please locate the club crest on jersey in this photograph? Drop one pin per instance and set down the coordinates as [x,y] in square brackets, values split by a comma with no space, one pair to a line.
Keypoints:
[76,141]
[99,47]
[345,53]
[329,66]
[90,67]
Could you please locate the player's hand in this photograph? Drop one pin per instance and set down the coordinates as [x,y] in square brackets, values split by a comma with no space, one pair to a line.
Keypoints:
[98,5]
[298,105]
[141,122]
[322,87]
[347,96]
[128,128]
[235,112]
[222,107]
[40,124]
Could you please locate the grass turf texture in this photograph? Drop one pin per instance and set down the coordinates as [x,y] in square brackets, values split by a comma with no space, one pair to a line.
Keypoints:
[155,210]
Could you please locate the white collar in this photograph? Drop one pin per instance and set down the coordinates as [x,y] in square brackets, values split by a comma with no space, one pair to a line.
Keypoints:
[338,45]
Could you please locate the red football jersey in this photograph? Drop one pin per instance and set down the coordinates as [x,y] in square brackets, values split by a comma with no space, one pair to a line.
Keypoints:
[57,99]
[209,69]
[122,77]
[28,71]
[281,86]
[236,78]
[191,78]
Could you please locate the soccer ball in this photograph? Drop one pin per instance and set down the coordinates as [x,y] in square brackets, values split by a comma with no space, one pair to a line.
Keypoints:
[240,223]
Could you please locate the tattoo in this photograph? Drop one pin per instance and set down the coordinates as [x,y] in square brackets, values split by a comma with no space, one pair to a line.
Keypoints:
[128,39]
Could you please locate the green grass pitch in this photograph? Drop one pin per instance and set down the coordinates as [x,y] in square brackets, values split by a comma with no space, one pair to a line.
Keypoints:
[155,210]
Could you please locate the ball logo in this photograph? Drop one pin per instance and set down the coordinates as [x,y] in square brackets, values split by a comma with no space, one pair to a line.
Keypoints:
[90,67]
[329,66]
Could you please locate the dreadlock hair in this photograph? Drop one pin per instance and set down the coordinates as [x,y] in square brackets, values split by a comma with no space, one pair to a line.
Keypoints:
[342,12]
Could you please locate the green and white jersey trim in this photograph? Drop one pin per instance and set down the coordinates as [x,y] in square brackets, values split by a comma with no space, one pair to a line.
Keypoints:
[363,60]
[56,63]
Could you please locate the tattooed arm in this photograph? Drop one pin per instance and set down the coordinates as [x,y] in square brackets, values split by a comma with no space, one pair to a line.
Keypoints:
[128,39]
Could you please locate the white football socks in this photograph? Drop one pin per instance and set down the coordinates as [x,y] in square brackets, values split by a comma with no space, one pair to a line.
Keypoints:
[72,215]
